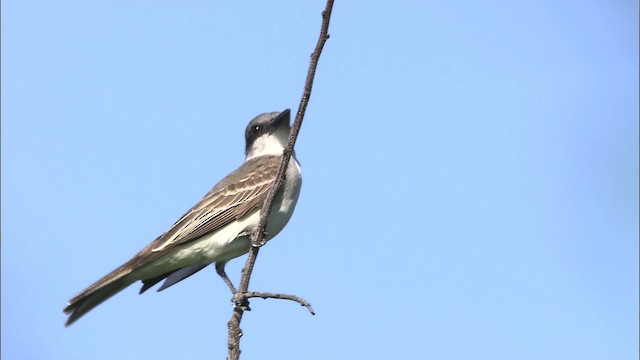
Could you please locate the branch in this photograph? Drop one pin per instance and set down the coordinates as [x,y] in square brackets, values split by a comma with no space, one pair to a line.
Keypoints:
[259,235]
[266,295]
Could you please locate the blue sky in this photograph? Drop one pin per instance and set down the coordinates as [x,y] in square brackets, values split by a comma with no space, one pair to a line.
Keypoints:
[470,176]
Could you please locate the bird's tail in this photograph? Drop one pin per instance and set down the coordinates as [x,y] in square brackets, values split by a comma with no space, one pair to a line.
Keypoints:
[97,293]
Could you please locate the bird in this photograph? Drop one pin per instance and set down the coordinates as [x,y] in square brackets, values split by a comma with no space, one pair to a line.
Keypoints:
[218,228]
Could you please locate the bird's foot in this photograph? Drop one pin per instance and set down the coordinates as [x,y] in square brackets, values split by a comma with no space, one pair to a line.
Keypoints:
[240,301]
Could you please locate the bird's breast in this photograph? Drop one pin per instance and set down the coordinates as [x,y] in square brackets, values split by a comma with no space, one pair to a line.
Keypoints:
[284,204]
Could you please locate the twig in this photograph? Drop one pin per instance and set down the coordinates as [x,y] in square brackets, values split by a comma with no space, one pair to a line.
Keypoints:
[267,295]
[258,236]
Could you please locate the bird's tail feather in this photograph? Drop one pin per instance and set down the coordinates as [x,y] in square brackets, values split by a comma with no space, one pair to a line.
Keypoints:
[97,293]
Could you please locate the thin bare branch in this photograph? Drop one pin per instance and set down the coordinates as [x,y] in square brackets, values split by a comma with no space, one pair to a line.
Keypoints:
[267,295]
[258,237]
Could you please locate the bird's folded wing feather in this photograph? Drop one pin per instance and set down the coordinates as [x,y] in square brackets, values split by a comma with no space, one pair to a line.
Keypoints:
[233,197]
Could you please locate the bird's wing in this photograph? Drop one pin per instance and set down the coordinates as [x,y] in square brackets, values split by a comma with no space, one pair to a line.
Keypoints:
[233,197]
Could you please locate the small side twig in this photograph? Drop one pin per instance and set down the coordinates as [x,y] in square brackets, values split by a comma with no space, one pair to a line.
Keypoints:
[258,236]
[268,295]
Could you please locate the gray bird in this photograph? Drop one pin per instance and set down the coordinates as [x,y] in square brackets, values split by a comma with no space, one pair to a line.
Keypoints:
[218,228]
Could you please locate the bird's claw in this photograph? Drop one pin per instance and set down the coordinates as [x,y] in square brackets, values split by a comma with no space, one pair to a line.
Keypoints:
[240,302]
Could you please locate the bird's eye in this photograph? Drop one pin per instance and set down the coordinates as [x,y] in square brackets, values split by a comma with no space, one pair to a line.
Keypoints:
[255,129]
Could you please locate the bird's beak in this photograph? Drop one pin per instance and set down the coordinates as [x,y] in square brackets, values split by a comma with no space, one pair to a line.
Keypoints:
[284,116]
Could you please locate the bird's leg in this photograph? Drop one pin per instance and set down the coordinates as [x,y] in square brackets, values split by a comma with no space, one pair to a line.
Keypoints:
[244,304]
[223,275]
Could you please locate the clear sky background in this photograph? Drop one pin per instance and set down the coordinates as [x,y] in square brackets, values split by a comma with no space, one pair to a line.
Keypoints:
[470,176]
